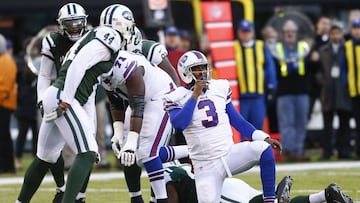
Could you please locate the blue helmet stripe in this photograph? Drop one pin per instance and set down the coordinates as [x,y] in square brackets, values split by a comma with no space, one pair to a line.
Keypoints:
[197,54]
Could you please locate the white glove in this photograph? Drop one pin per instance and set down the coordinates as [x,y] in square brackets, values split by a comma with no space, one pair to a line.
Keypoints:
[59,111]
[127,153]
[117,138]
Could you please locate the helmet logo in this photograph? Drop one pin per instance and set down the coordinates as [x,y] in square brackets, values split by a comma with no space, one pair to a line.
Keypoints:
[183,60]
[127,15]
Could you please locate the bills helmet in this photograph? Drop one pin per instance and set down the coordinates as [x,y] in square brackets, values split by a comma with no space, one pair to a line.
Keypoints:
[189,60]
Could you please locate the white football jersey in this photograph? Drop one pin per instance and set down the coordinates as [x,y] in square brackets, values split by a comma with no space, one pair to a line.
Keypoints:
[157,81]
[209,134]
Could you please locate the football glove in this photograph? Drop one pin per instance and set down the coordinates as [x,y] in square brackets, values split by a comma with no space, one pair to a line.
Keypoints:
[127,153]
[117,138]
[59,111]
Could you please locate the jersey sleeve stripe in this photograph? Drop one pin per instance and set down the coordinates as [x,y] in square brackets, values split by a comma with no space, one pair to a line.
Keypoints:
[130,70]
[50,41]
[50,57]
[152,50]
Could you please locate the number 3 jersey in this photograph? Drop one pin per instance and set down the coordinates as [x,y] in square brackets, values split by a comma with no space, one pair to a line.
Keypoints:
[209,134]
[157,82]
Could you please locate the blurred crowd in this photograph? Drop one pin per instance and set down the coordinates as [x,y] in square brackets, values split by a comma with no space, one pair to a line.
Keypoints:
[282,75]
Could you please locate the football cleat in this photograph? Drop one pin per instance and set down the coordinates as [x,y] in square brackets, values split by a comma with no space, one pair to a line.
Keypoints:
[283,189]
[58,196]
[334,194]
[81,200]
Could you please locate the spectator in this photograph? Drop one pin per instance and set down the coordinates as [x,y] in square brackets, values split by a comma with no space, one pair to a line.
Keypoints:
[172,44]
[256,74]
[26,112]
[322,37]
[353,14]
[351,69]
[270,37]
[185,40]
[292,92]
[172,38]
[334,97]
[8,103]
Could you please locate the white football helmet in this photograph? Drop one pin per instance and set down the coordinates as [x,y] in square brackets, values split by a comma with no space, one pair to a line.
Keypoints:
[72,19]
[136,42]
[120,18]
[191,59]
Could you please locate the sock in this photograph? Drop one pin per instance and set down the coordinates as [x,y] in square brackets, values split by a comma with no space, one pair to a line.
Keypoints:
[57,171]
[269,199]
[62,188]
[267,173]
[317,197]
[78,174]
[155,172]
[32,179]
[171,153]
[132,177]
[83,188]
[136,199]
[257,199]
[300,199]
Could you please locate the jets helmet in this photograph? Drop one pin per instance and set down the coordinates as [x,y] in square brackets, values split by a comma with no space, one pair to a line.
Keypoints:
[72,19]
[189,60]
[120,18]
[136,42]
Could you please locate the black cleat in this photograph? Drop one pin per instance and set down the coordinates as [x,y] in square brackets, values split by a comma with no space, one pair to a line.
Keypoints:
[334,194]
[58,196]
[283,190]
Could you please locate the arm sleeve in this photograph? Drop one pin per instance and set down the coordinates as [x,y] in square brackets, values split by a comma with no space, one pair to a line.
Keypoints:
[91,54]
[181,118]
[270,73]
[44,78]
[238,122]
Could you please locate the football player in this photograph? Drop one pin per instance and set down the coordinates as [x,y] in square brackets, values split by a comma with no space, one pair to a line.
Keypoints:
[69,103]
[180,186]
[203,111]
[155,53]
[136,82]
[72,20]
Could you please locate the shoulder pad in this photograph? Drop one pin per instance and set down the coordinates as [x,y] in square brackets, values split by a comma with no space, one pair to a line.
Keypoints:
[109,37]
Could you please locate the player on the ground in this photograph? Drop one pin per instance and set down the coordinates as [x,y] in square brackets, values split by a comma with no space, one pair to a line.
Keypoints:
[180,186]
[72,19]
[69,103]
[203,111]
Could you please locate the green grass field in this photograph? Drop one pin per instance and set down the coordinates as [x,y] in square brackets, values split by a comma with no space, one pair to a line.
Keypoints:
[113,189]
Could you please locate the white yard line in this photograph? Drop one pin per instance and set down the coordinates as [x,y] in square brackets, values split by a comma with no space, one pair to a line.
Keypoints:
[279,167]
